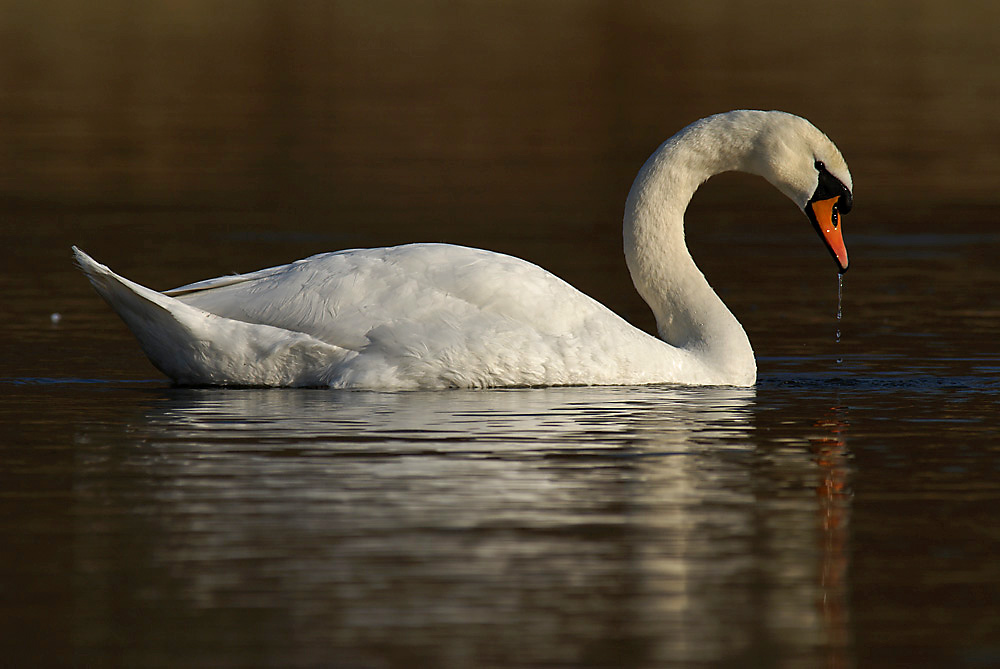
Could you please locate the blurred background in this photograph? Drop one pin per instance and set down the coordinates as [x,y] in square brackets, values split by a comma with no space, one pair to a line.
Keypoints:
[371,111]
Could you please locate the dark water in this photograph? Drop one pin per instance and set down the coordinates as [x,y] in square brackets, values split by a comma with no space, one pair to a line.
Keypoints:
[839,514]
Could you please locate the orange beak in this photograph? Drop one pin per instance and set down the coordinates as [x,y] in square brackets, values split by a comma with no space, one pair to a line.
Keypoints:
[826,218]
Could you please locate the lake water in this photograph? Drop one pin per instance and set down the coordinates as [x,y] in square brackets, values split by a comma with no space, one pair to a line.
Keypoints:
[841,513]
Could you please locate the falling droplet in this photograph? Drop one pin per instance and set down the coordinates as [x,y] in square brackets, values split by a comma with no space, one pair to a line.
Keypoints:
[840,310]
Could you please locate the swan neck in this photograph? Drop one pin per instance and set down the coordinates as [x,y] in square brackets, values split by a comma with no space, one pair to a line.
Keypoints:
[689,314]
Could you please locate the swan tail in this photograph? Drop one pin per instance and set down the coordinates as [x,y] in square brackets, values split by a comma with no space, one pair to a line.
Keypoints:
[195,347]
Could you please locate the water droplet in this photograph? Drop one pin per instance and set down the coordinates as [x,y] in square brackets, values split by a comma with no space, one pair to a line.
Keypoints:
[840,310]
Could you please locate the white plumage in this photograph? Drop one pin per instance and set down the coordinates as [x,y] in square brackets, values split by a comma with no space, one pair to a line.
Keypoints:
[438,315]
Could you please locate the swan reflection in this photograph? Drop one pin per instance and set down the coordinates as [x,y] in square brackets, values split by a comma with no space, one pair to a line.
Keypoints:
[533,525]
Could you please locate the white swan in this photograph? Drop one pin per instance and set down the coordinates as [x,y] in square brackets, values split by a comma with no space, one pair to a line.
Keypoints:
[437,315]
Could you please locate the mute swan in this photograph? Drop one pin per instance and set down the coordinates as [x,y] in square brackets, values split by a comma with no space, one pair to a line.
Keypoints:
[437,315]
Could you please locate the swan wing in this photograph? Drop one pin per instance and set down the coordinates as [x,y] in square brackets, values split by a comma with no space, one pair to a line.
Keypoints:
[220,281]
[341,297]
[432,314]
[194,346]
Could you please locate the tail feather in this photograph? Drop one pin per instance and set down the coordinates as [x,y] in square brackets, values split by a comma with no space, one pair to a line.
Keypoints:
[193,346]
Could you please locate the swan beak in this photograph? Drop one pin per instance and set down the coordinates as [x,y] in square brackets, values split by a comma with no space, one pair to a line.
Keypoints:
[826,218]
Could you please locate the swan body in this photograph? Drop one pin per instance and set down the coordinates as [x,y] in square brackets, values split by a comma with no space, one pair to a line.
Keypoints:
[439,315]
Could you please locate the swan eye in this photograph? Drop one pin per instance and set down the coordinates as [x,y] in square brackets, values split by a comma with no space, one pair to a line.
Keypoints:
[828,186]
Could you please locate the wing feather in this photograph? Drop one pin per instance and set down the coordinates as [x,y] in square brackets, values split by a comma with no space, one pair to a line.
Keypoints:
[421,290]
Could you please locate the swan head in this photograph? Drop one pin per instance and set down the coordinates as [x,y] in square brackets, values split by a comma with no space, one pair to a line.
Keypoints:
[802,162]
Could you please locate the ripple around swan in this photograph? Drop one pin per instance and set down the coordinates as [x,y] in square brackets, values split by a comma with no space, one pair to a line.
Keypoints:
[988,381]
[55,381]
[886,382]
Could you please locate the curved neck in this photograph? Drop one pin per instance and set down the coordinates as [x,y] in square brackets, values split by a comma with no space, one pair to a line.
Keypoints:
[689,315]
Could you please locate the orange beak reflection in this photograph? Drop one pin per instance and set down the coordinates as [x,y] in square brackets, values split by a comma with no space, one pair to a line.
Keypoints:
[826,219]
